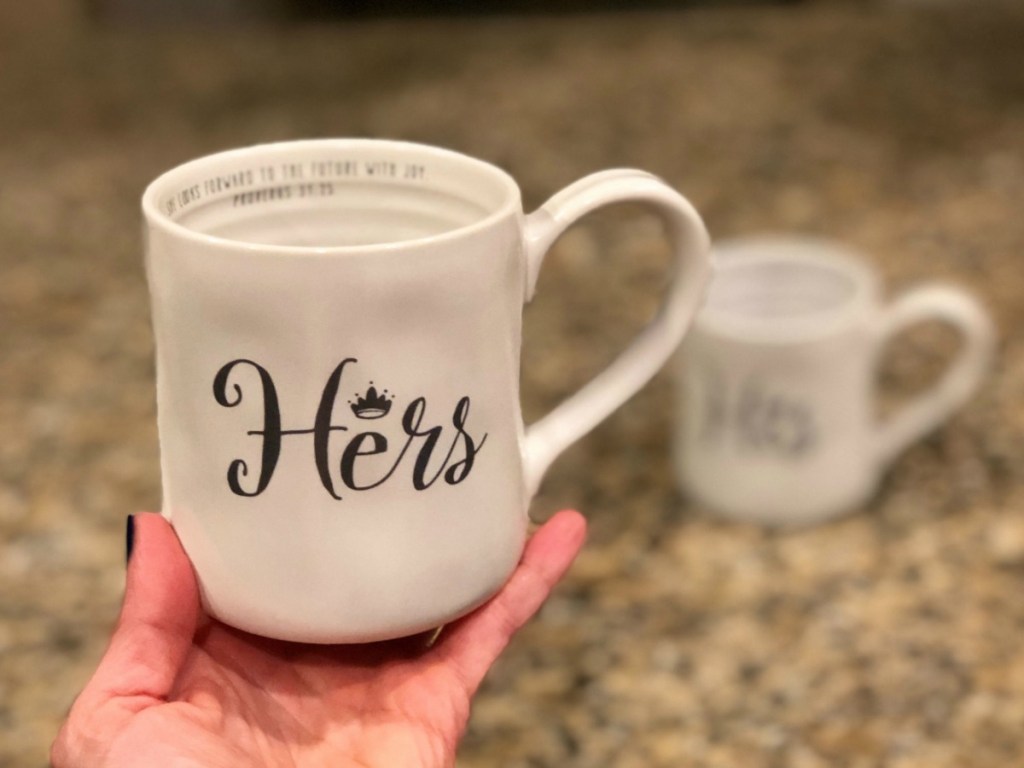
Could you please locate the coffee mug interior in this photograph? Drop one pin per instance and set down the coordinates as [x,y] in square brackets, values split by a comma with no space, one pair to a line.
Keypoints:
[330,194]
[765,290]
[773,287]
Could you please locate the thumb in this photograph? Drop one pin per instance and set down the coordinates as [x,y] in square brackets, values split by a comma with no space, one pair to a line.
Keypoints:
[473,643]
[158,618]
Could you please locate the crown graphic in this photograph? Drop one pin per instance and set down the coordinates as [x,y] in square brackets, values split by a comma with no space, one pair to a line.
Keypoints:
[373,405]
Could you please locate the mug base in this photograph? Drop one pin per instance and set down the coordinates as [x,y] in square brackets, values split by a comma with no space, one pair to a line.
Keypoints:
[319,635]
[784,516]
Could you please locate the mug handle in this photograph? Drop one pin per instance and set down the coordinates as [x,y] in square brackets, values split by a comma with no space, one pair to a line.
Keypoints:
[924,413]
[576,416]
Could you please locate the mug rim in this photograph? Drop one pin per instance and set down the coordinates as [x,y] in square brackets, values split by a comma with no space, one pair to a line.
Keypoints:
[737,253]
[510,203]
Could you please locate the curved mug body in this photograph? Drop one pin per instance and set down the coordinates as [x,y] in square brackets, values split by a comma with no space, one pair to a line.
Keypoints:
[338,327]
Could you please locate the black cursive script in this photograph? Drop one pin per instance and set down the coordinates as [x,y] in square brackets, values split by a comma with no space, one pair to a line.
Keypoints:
[457,462]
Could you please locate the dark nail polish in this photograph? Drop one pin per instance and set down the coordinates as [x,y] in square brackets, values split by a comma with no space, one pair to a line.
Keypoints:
[129,538]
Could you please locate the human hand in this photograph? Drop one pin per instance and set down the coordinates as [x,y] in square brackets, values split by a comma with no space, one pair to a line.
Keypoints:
[176,688]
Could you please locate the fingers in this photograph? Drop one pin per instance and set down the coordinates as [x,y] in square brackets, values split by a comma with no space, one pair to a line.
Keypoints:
[158,619]
[473,644]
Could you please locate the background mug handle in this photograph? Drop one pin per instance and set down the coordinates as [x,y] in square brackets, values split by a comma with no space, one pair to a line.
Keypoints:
[927,411]
[546,438]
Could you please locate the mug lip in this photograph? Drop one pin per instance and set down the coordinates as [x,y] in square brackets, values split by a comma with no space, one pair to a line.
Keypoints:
[805,250]
[510,204]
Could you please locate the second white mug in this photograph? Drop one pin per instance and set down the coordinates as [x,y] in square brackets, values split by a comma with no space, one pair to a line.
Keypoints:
[777,380]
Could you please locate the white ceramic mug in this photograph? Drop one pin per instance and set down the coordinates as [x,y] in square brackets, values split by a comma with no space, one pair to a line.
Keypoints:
[777,380]
[338,327]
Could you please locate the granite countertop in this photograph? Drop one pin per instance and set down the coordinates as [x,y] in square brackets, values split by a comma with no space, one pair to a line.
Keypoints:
[893,637]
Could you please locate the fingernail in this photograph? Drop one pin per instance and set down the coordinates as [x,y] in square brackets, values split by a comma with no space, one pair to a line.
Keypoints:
[129,538]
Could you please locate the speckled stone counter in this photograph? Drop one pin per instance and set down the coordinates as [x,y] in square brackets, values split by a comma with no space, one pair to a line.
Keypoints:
[893,637]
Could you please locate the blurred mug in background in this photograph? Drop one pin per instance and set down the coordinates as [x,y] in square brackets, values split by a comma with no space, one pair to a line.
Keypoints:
[777,380]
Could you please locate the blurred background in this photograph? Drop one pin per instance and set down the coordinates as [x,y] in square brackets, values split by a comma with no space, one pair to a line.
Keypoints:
[892,637]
